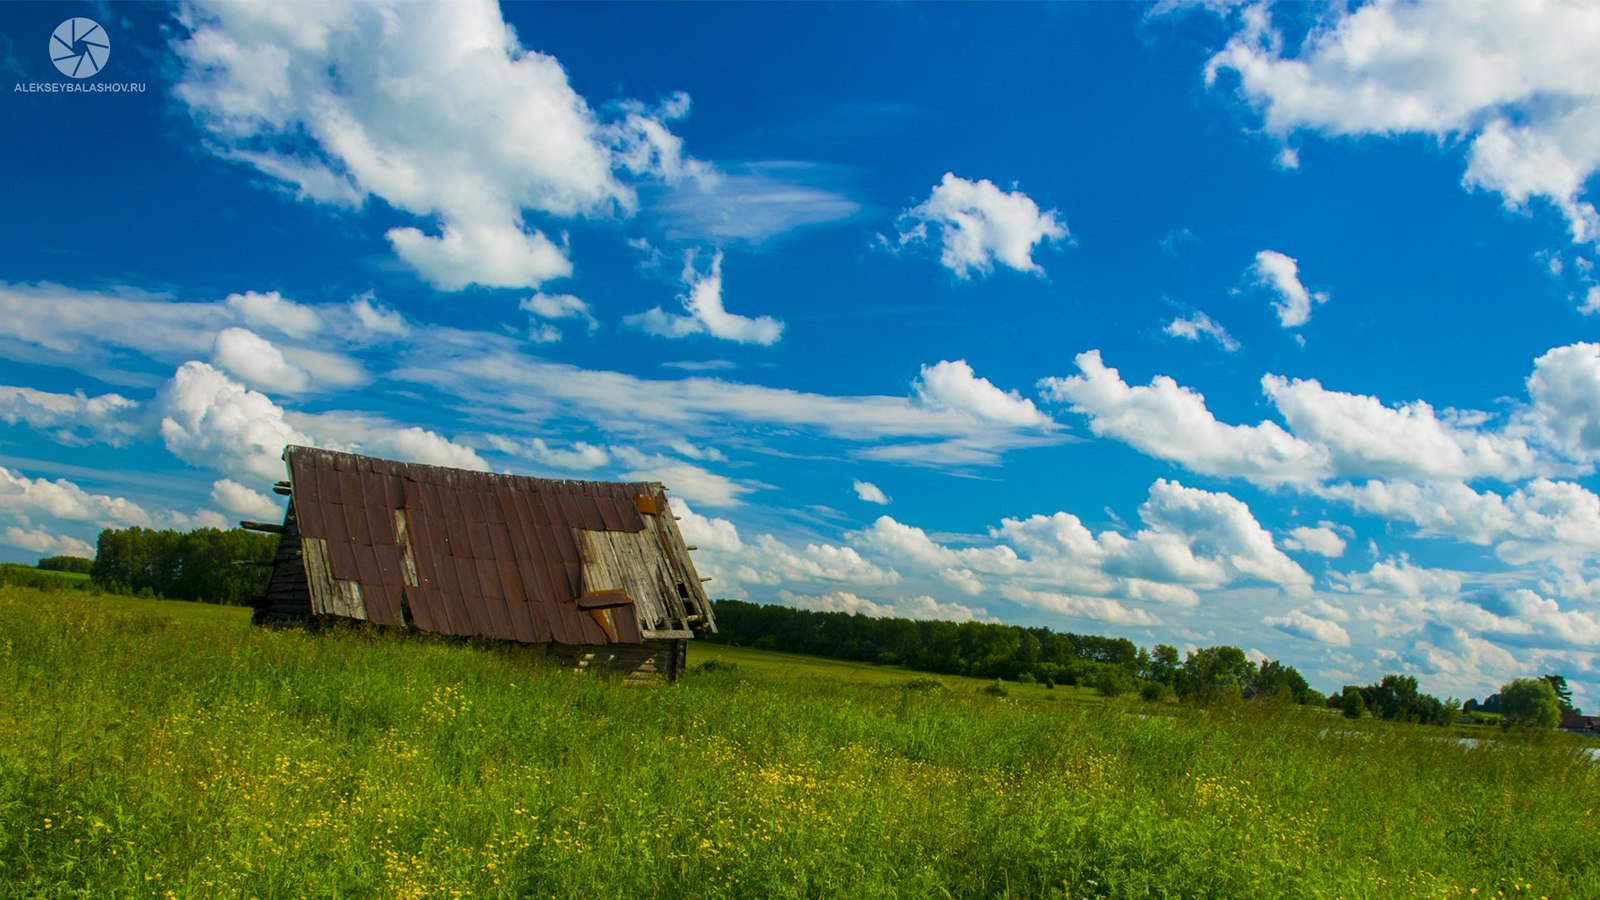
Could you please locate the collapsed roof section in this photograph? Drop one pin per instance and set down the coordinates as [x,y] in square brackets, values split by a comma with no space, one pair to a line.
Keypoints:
[474,553]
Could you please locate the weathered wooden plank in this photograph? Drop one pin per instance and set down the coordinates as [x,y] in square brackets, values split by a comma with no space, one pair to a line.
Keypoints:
[318,576]
[347,600]
[631,562]
[697,603]
[408,556]
[672,574]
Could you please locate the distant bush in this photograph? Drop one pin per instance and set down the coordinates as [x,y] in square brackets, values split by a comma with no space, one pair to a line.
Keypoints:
[1111,681]
[712,666]
[1351,704]
[998,689]
[1156,692]
[76,564]
[925,684]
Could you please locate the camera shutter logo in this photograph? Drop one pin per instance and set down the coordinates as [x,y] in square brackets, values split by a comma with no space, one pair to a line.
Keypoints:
[80,47]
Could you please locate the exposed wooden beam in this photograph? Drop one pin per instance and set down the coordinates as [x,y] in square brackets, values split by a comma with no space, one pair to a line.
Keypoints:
[268,527]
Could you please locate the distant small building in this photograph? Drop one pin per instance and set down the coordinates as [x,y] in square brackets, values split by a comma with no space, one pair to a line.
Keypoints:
[1581,724]
[595,571]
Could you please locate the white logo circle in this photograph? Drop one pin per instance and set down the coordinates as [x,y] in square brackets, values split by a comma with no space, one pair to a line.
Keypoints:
[80,47]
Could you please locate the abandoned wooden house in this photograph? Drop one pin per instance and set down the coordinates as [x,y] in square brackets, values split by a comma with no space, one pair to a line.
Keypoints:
[597,572]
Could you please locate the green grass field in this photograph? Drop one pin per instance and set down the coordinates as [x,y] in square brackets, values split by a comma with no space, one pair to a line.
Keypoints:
[158,748]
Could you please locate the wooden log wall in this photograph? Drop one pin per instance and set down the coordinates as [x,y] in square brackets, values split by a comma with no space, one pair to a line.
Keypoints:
[286,600]
[646,663]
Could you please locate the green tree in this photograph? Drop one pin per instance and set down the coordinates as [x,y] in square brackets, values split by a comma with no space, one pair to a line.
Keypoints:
[1352,705]
[1215,673]
[1163,665]
[1530,703]
[1278,682]
[1393,698]
[1558,682]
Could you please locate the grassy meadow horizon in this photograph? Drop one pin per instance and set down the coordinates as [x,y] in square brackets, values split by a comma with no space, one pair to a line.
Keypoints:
[170,749]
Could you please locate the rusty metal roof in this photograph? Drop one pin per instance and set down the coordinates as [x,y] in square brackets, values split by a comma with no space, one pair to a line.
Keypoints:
[492,555]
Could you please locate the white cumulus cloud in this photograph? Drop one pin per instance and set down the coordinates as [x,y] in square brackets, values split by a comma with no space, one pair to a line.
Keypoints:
[1543,519]
[1565,389]
[706,533]
[1322,540]
[243,501]
[977,224]
[74,418]
[1517,83]
[255,361]
[1171,422]
[359,432]
[580,456]
[212,421]
[272,310]
[1366,438]
[704,312]
[919,607]
[954,386]
[1199,325]
[868,492]
[437,109]
[1281,274]
[47,543]
[40,323]
[1099,609]
[375,321]
[558,306]
[1305,625]
[62,499]
[1218,529]
[694,482]
[493,255]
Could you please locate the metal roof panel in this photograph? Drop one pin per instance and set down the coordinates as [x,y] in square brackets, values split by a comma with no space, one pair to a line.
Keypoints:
[494,554]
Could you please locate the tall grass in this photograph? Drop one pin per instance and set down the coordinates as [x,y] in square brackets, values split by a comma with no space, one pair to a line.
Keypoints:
[159,748]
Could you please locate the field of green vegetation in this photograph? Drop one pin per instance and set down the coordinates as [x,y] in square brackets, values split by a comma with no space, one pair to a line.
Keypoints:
[165,748]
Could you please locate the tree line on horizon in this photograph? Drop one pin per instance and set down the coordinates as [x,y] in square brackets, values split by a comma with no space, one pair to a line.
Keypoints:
[1110,665]
[207,565]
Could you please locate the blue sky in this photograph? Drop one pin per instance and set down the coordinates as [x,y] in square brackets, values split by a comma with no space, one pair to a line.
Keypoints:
[1273,327]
